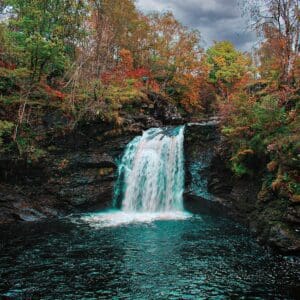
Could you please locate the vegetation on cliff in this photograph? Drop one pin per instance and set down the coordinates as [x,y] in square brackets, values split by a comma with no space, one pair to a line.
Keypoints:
[261,117]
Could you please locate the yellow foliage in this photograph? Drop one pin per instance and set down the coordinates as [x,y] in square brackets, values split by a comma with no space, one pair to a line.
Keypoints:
[277,183]
[263,195]
[295,198]
[245,152]
[63,164]
[220,61]
[272,166]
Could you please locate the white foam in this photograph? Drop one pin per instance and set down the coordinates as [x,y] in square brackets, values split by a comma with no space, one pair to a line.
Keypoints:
[116,218]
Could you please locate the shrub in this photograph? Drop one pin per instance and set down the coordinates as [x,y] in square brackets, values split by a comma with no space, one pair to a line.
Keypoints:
[6,129]
[263,135]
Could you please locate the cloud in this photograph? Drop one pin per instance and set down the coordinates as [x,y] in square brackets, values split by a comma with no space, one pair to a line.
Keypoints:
[216,19]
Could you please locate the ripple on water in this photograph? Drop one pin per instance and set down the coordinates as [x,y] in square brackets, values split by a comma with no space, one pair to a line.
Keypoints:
[177,257]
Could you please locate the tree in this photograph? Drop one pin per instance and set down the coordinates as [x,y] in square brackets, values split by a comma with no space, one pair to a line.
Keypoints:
[10,54]
[175,58]
[115,25]
[272,59]
[279,23]
[46,32]
[227,67]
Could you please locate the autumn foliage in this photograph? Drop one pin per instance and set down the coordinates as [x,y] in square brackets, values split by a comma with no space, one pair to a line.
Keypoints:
[100,59]
[260,109]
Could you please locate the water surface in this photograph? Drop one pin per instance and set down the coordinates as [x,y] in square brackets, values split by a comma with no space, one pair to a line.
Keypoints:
[190,257]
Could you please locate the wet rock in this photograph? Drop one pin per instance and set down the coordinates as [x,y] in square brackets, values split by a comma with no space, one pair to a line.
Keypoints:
[199,142]
[284,238]
[30,214]
[147,121]
[217,186]
[15,206]
[274,221]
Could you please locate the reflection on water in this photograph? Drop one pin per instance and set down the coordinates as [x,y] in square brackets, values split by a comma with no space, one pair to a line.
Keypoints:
[196,257]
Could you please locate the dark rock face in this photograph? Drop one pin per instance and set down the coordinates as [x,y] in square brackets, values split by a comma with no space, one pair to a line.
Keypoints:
[79,171]
[67,180]
[273,221]
[199,144]
[283,238]
[293,214]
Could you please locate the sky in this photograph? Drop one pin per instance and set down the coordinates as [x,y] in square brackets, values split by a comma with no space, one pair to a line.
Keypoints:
[216,19]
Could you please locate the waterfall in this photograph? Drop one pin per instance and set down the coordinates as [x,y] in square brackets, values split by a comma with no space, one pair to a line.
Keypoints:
[151,172]
[150,181]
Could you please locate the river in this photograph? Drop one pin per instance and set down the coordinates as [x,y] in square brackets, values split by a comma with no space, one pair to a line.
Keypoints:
[148,247]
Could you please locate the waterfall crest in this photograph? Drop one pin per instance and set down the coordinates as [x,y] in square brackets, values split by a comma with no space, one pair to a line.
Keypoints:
[151,172]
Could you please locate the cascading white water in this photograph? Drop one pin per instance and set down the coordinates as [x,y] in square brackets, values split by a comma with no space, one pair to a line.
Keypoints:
[150,181]
[151,172]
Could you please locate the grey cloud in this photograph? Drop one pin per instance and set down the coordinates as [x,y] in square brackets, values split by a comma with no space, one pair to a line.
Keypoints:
[198,11]
[216,19]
